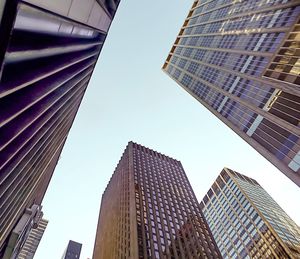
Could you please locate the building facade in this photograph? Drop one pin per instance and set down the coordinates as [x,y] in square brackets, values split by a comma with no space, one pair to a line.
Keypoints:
[72,251]
[149,210]
[246,222]
[21,232]
[240,59]
[48,51]
[32,242]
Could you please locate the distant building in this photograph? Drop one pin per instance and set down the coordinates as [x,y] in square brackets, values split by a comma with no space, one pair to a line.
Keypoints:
[22,234]
[48,51]
[31,244]
[240,59]
[149,210]
[72,251]
[246,222]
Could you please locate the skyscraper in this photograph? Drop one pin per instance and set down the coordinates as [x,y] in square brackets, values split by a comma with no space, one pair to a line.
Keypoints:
[20,234]
[32,242]
[72,251]
[48,51]
[246,222]
[240,59]
[149,210]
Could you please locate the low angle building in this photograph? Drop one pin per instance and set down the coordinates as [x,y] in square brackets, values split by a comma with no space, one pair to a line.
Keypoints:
[72,251]
[149,210]
[240,59]
[32,242]
[48,51]
[245,220]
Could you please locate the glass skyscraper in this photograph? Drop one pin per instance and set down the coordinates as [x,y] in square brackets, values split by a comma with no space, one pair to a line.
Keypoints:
[48,51]
[240,59]
[149,210]
[246,222]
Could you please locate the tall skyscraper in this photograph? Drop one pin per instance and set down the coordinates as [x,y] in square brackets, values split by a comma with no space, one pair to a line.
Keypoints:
[240,59]
[21,232]
[246,222]
[149,210]
[48,51]
[32,242]
[72,251]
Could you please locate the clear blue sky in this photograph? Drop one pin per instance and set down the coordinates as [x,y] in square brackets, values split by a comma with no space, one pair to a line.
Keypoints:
[131,98]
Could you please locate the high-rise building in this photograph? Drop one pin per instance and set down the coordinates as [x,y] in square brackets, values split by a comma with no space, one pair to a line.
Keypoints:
[240,59]
[32,242]
[48,51]
[21,232]
[72,251]
[149,210]
[246,222]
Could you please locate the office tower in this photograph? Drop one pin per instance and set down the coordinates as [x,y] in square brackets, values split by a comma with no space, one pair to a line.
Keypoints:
[246,222]
[149,210]
[21,232]
[240,59]
[72,251]
[32,242]
[48,50]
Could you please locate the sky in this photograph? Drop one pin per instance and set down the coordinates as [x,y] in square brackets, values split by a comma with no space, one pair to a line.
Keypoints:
[130,98]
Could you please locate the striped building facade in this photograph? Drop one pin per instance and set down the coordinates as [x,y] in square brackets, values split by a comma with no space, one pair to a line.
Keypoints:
[32,242]
[240,59]
[48,51]
[246,222]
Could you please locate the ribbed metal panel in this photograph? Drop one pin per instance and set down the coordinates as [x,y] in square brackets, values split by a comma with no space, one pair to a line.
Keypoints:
[48,60]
